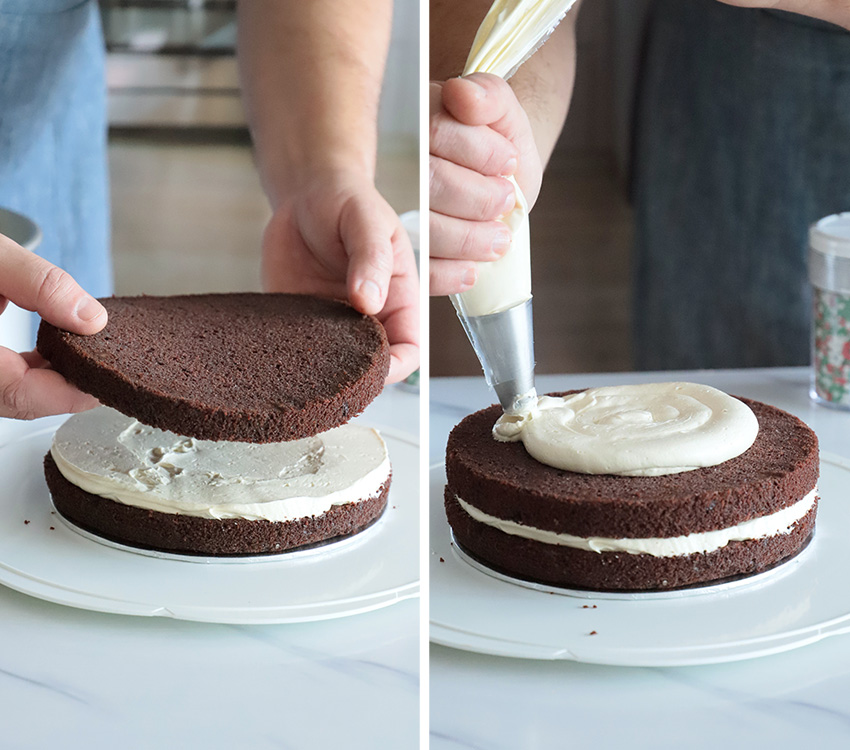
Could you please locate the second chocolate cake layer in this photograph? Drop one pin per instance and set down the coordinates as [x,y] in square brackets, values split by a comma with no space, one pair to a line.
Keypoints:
[502,480]
[230,537]
[257,368]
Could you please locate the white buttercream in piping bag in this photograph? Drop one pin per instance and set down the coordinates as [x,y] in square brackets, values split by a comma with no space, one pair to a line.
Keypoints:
[509,34]
[635,430]
[506,282]
[111,455]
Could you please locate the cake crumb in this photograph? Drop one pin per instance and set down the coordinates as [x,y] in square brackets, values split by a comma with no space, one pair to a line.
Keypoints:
[53,528]
[441,560]
[588,606]
[26,520]
[593,632]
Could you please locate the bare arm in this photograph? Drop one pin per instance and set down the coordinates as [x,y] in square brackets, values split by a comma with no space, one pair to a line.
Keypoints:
[311,77]
[311,74]
[834,11]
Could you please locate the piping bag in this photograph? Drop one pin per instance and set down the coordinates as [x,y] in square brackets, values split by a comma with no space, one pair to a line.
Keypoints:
[496,312]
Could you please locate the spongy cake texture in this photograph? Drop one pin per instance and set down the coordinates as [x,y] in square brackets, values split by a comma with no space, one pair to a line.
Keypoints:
[247,367]
[225,537]
[502,480]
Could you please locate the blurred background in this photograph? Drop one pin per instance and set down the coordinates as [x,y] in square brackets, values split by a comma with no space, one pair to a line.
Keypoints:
[581,226]
[187,208]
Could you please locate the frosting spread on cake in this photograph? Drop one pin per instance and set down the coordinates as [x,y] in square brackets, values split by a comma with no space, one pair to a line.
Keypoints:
[780,522]
[111,455]
[634,430]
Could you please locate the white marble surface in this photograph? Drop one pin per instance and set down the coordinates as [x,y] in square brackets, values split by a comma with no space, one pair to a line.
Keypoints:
[72,678]
[799,698]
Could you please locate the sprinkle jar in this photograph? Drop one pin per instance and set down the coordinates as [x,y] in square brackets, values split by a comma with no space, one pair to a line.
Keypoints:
[829,273]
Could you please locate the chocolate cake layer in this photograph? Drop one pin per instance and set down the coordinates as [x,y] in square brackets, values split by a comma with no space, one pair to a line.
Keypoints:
[242,367]
[616,571]
[232,537]
[502,480]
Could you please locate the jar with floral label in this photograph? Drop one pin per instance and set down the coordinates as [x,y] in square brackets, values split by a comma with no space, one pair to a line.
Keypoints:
[829,273]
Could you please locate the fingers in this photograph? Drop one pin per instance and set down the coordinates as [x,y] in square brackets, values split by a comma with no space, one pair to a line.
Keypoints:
[450,276]
[404,359]
[400,316]
[484,99]
[475,122]
[367,239]
[34,284]
[468,164]
[456,239]
[29,392]
[466,194]
[479,148]
[28,387]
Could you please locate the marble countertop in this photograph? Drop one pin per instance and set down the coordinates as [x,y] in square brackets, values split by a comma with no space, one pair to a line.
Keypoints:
[74,678]
[798,698]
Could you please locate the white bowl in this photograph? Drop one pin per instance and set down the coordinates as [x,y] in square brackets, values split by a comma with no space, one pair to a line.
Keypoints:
[16,329]
[19,228]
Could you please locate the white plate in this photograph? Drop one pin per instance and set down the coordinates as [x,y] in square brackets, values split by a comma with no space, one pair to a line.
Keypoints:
[372,570]
[800,602]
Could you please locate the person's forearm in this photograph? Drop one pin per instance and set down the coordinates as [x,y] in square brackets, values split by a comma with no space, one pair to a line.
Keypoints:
[311,77]
[543,85]
[833,11]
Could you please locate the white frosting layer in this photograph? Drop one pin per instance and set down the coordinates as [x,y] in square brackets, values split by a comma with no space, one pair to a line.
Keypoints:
[509,33]
[634,430]
[108,454]
[774,524]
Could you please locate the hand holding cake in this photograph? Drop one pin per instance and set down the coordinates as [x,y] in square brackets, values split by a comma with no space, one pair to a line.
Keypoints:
[312,106]
[337,237]
[28,387]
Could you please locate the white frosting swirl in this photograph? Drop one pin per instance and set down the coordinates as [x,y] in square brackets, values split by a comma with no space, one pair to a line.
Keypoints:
[108,454]
[634,430]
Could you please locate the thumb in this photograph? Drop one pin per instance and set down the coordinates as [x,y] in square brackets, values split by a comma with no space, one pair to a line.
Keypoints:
[367,238]
[485,99]
[34,284]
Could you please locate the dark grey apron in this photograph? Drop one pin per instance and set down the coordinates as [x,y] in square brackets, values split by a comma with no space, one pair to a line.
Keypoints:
[742,140]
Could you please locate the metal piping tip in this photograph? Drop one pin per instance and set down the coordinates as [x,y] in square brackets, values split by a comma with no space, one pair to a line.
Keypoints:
[504,343]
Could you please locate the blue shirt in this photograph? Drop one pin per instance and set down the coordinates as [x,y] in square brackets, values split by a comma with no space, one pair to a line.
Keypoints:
[53,131]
